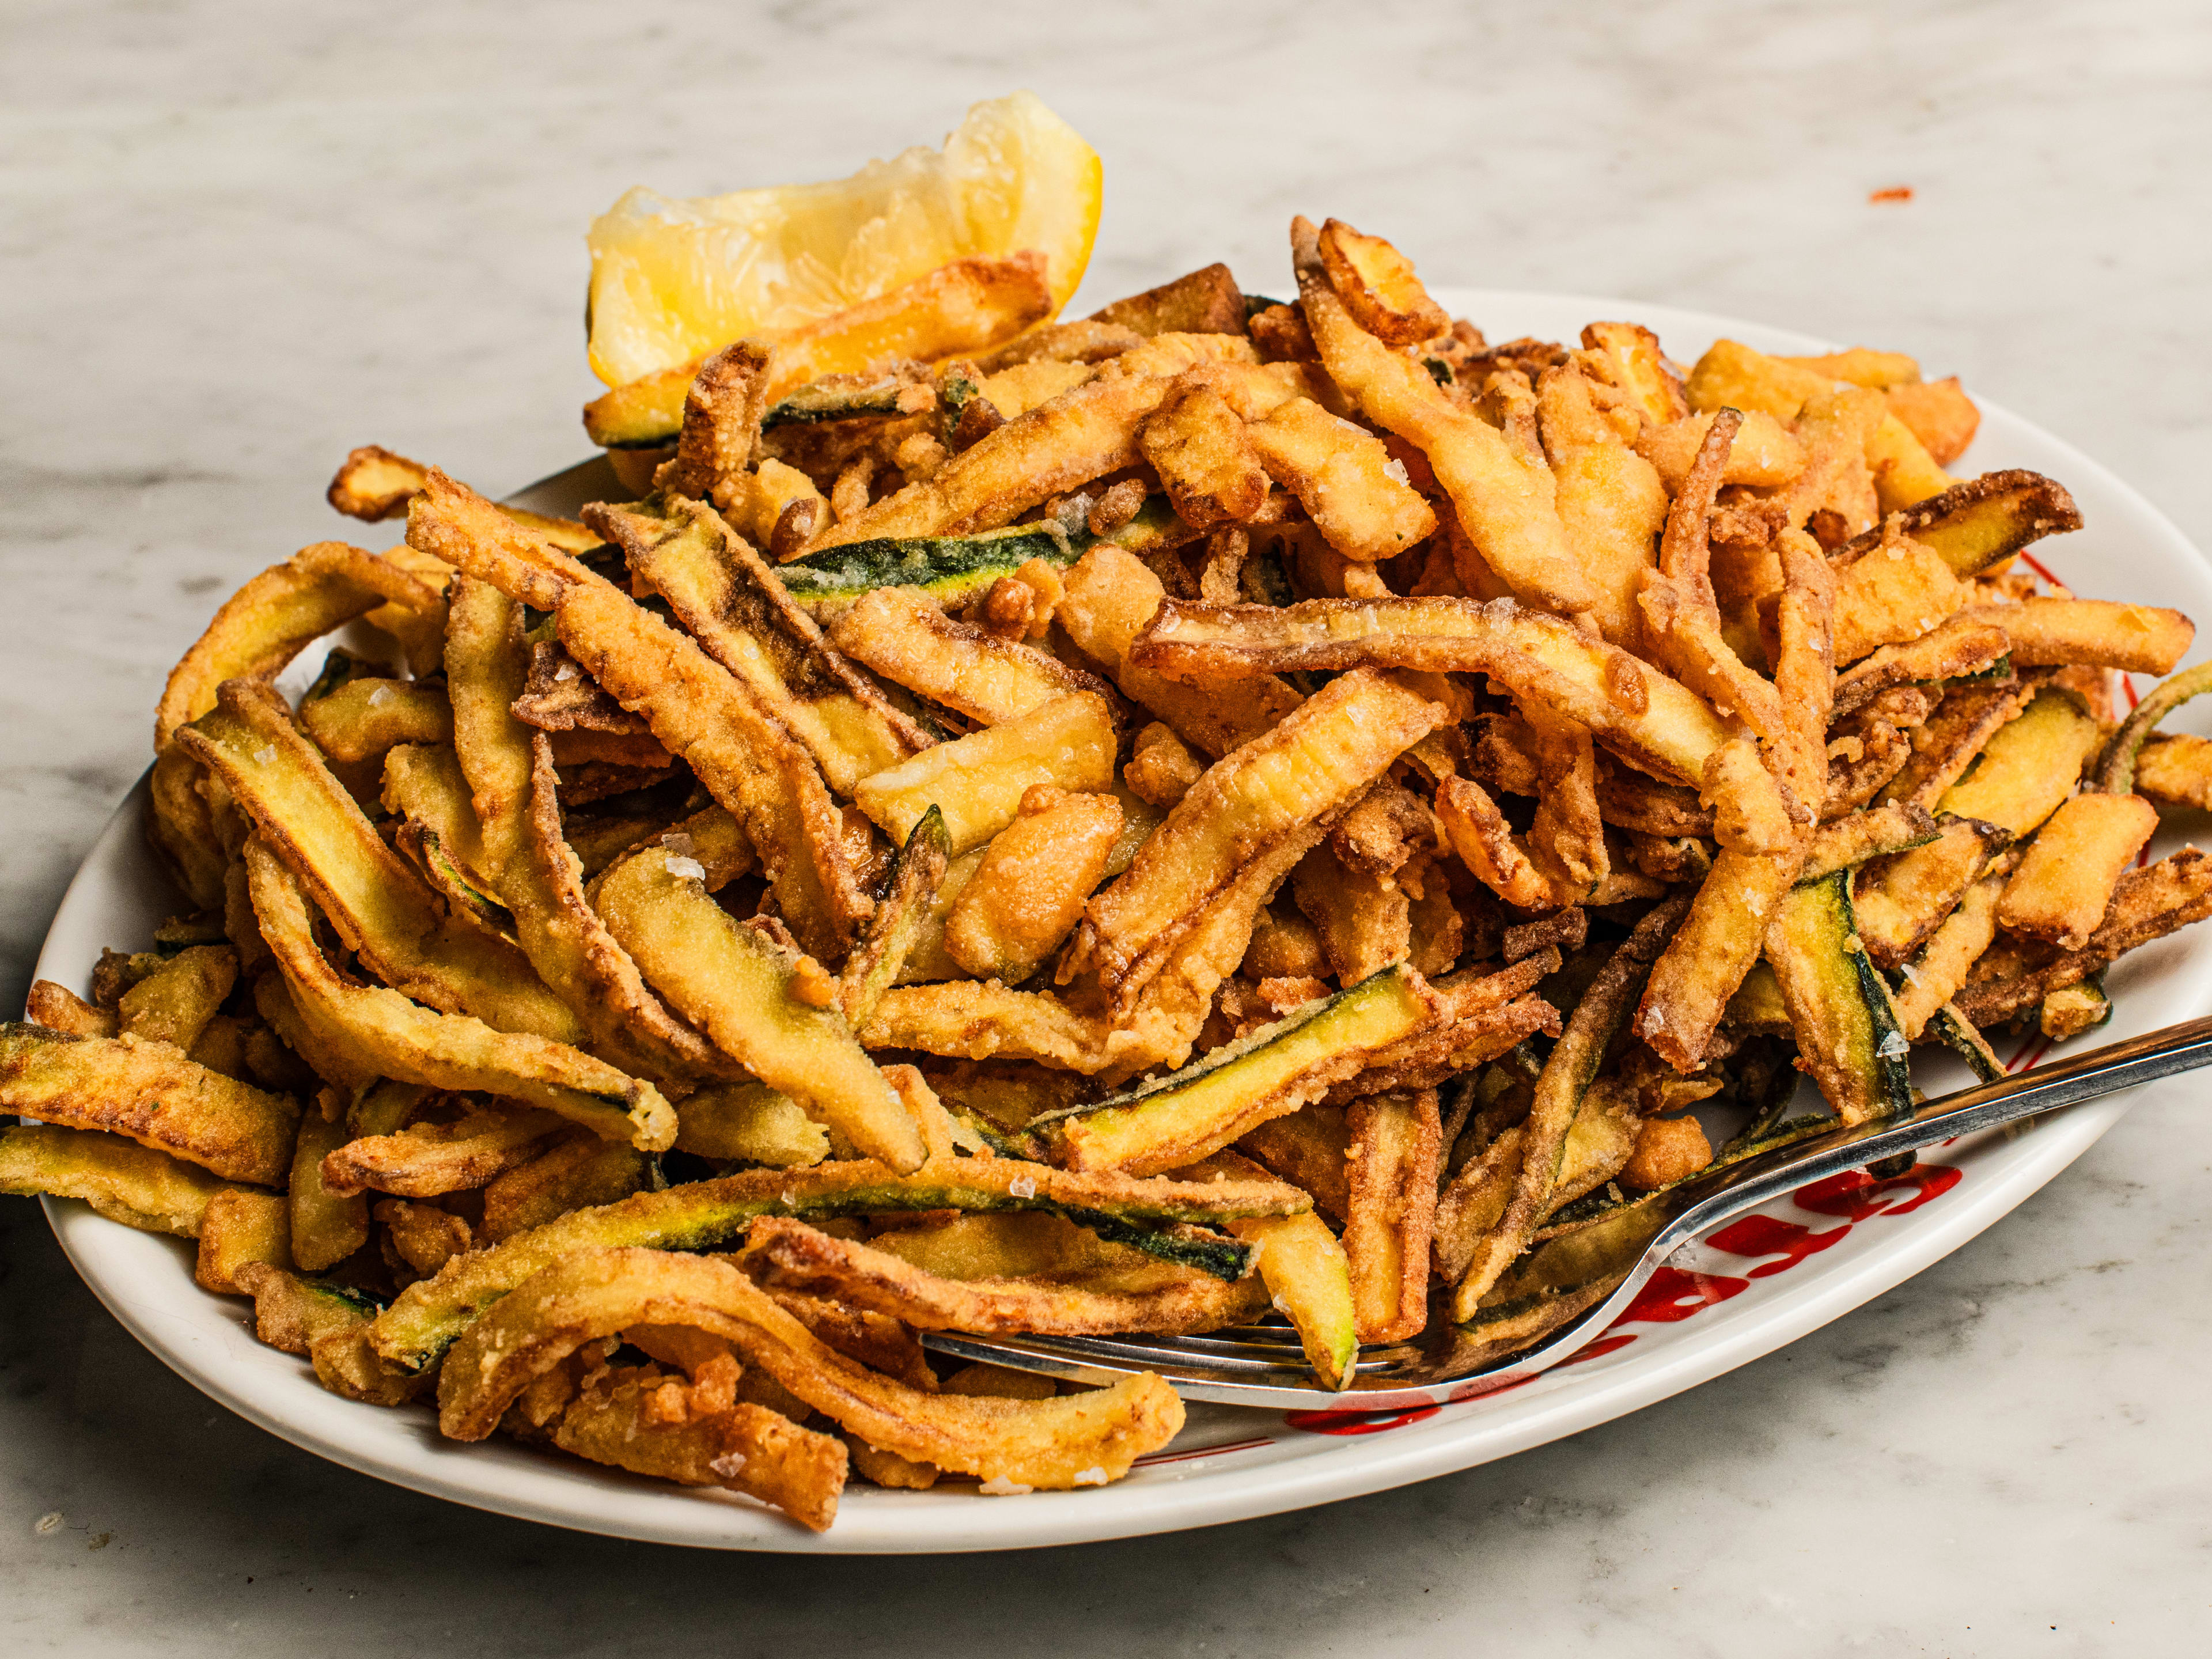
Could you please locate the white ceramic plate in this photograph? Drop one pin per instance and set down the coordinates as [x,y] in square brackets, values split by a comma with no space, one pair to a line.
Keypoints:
[1754,1286]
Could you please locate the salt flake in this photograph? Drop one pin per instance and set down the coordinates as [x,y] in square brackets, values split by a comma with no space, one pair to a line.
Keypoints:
[686,869]
[1022,1186]
[265,755]
[728,1464]
[998,1486]
[1395,471]
[564,669]
[1894,1046]
[1093,1476]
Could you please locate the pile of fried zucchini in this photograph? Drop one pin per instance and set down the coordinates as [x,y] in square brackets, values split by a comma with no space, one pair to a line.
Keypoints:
[1121,825]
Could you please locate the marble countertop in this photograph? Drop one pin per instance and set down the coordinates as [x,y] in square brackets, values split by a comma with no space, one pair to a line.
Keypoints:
[243,238]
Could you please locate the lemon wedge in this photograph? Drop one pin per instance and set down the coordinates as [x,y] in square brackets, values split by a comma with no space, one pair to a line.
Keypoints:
[673,279]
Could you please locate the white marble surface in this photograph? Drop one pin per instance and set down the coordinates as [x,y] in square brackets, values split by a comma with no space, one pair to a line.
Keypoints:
[240,239]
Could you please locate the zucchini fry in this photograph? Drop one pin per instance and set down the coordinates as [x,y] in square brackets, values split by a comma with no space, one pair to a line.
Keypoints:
[978,781]
[379,908]
[781,1254]
[139,1186]
[903,635]
[1655,721]
[150,1092]
[1394,1155]
[750,764]
[725,595]
[741,1447]
[2146,904]
[1110,598]
[1566,1077]
[764,1006]
[1506,504]
[1187,1114]
[402,1040]
[2136,639]
[425,1318]
[1846,1023]
[1314,764]
[1087,1438]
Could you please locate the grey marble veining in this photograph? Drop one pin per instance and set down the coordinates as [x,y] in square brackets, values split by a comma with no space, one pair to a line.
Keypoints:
[237,240]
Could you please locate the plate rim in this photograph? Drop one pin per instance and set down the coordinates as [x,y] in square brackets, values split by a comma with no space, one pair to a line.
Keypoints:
[1426,1449]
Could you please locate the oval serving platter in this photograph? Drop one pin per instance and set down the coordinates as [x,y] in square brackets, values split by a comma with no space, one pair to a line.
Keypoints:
[1754,1285]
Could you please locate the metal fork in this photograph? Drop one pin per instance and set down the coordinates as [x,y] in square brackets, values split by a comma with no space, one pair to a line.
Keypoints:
[1262,1364]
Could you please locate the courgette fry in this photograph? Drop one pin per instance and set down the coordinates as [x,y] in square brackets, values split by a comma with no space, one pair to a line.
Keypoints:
[378,906]
[1566,1077]
[1087,1438]
[2116,768]
[1953,736]
[515,791]
[1961,645]
[620,1419]
[426,1317]
[903,635]
[139,1186]
[1391,1215]
[977,781]
[427,1161]
[950,570]
[1655,721]
[697,710]
[1110,597]
[1942,963]
[2029,767]
[893,930]
[404,1040]
[1081,435]
[1313,766]
[726,596]
[327,1225]
[1982,521]
[1845,1021]
[1953,1029]
[1305,1267]
[763,1007]
[1505,505]
[1845,843]
[1187,1114]
[1897,904]
[782,1253]
[2136,639]
[152,1093]
[2146,904]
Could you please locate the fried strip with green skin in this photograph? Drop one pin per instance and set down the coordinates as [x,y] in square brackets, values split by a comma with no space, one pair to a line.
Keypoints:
[380,906]
[427,1316]
[1629,705]
[150,1092]
[784,1253]
[448,1051]
[696,710]
[723,592]
[136,1185]
[514,790]
[743,989]
[1193,1113]
[1074,1439]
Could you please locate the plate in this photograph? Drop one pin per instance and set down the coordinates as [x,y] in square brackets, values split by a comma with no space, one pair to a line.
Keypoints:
[1758,1283]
